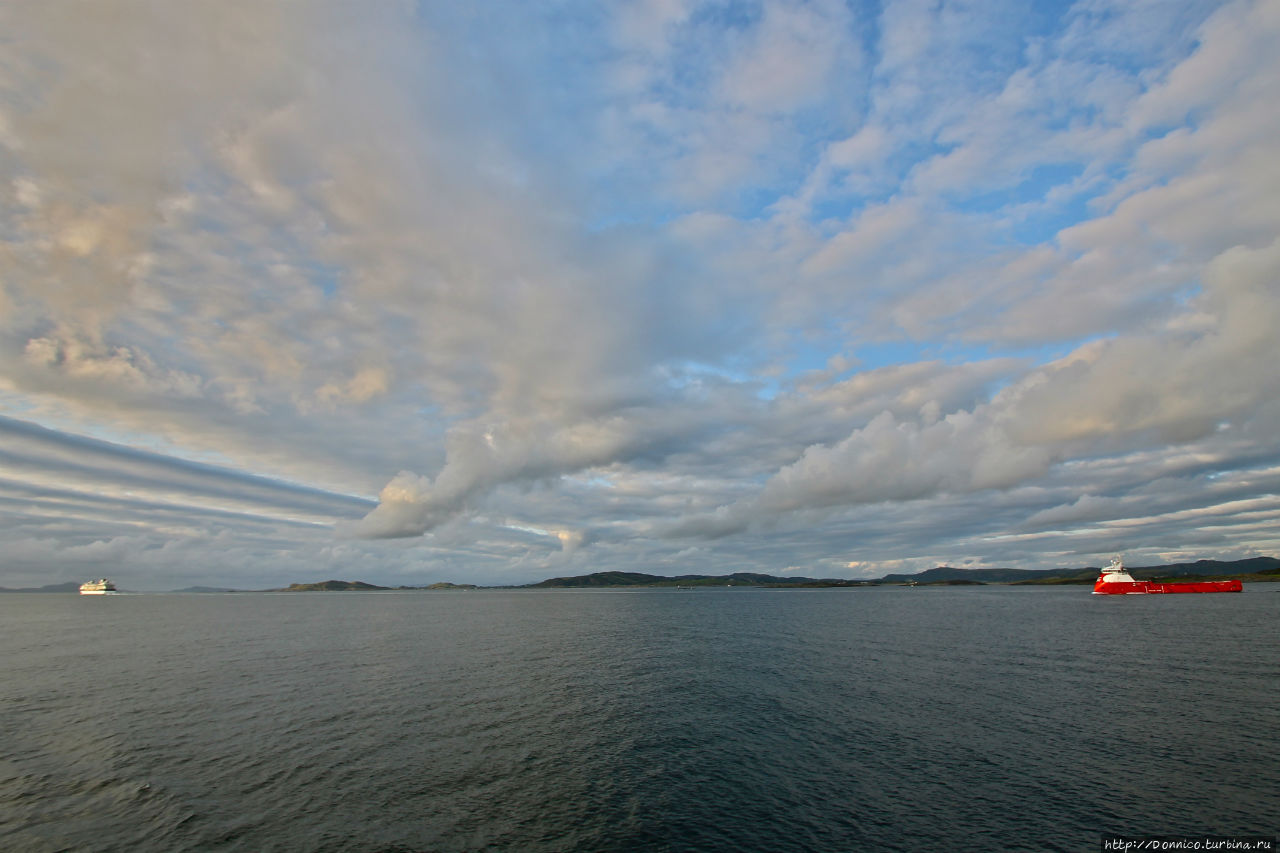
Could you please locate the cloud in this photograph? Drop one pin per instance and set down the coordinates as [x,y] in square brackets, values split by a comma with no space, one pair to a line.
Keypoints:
[368,383]
[1106,396]
[724,97]
[85,362]
[824,284]
[480,460]
[48,453]
[1175,386]
[786,60]
[884,461]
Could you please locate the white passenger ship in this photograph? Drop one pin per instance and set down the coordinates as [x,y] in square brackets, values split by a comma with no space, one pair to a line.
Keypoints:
[101,586]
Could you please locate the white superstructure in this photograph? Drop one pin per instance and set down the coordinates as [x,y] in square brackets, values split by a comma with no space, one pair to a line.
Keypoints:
[1116,573]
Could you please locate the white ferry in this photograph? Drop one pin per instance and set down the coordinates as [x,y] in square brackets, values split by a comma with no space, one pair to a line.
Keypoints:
[101,586]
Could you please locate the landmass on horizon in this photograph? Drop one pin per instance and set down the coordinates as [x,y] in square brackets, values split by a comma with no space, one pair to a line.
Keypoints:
[1261,569]
[1253,569]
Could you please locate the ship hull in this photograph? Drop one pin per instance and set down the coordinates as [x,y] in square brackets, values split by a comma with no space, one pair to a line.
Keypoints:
[1153,588]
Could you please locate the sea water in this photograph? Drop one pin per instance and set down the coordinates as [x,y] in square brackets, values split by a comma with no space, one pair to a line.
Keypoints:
[983,718]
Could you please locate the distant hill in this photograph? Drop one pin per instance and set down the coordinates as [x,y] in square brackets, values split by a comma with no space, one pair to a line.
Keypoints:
[70,586]
[942,575]
[332,586]
[602,579]
[616,579]
[1251,566]
[1254,569]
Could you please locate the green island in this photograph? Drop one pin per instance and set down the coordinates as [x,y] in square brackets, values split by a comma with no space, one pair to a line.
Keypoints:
[361,586]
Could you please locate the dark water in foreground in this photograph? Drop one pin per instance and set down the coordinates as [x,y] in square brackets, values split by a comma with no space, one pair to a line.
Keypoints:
[851,719]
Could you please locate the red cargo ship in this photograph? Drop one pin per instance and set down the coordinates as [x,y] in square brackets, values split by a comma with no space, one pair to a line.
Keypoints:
[1114,580]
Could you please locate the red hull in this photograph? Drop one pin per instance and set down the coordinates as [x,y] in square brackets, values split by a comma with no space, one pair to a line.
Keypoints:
[1153,588]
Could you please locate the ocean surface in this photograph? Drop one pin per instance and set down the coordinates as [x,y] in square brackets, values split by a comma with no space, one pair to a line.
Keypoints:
[983,718]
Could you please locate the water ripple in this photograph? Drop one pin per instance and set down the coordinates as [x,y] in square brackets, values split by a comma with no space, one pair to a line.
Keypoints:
[889,719]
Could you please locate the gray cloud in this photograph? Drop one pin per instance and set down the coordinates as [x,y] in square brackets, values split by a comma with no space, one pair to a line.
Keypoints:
[54,456]
[1170,389]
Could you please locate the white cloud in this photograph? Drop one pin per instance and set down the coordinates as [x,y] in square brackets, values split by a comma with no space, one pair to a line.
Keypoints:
[123,369]
[787,60]
[942,280]
[1105,397]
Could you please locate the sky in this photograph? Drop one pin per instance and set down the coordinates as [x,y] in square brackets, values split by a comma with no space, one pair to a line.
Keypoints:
[498,291]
